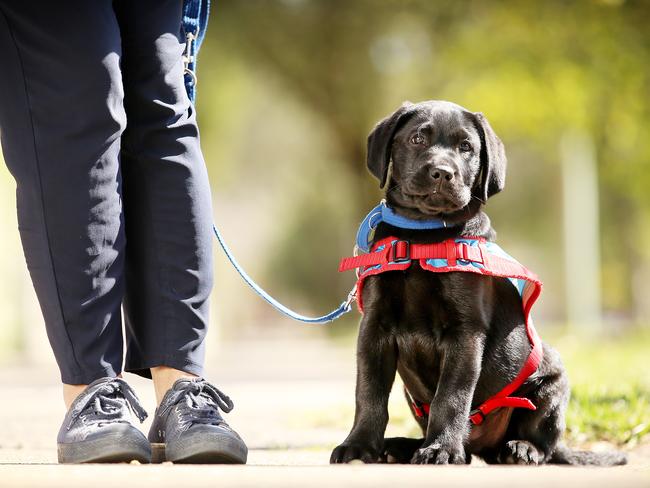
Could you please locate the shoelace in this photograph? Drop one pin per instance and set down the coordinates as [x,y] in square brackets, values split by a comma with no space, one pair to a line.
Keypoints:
[199,403]
[106,404]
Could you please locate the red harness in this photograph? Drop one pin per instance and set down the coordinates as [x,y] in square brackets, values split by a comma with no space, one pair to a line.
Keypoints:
[470,255]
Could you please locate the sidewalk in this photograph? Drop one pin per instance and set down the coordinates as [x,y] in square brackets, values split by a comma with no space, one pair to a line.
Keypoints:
[293,404]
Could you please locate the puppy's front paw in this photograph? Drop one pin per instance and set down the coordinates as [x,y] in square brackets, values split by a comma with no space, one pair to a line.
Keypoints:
[436,453]
[520,452]
[346,453]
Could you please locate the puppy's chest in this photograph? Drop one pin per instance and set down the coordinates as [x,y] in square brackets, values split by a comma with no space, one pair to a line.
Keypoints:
[417,301]
[422,311]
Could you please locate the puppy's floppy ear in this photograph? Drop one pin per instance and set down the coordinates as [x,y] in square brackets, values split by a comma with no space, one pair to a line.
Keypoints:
[380,141]
[493,160]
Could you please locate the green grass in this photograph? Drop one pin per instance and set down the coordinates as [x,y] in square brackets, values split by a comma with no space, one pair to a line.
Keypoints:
[610,388]
[617,414]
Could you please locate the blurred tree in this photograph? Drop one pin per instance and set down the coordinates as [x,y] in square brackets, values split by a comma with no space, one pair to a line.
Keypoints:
[537,69]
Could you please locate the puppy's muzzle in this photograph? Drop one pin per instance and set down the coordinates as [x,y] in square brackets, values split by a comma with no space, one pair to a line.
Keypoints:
[435,178]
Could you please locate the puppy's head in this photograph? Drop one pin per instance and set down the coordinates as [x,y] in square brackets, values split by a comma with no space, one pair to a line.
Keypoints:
[445,158]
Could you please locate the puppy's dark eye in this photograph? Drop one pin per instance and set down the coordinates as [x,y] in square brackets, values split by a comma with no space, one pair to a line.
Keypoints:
[418,139]
[465,146]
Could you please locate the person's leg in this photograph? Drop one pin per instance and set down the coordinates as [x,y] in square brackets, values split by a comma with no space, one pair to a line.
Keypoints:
[61,121]
[61,118]
[168,218]
[167,203]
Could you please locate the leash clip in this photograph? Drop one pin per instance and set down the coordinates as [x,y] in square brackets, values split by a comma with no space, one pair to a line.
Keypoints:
[352,296]
[188,56]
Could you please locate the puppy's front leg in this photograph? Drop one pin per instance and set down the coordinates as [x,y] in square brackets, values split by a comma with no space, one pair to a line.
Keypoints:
[448,425]
[376,366]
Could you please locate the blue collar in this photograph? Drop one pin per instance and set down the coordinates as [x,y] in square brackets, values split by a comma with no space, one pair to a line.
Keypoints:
[383,213]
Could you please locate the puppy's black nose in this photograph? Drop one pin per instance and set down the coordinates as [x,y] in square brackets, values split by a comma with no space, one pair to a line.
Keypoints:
[442,172]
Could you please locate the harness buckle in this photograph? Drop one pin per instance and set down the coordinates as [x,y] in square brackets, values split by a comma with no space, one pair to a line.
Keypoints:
[476,416]
[400,252]
[464,253]
[355,253]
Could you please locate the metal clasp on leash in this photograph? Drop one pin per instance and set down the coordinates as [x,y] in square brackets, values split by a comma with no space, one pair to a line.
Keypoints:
[352,296]
[188,56]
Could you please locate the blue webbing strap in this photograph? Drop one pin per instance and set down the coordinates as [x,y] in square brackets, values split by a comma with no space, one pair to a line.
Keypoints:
[368,224]
[383,213]
[194,25]
[345,306]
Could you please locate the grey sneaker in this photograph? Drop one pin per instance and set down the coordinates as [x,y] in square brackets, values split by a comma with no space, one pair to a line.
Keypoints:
[98,427]
[189,428]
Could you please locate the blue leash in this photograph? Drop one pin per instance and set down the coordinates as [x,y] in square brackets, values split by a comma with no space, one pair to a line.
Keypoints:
[194,25]
[381,213]
[344,308]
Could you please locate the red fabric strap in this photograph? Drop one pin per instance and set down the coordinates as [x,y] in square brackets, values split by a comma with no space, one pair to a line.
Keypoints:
[400,250]
[502,398]
[477,416]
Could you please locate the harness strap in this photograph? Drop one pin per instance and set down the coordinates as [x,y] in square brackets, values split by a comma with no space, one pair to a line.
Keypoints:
[394,254]
[477,415]
[402,251]
[502,398]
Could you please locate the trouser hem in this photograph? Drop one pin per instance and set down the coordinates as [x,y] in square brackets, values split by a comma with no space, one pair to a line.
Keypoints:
[86,378]
[177,362]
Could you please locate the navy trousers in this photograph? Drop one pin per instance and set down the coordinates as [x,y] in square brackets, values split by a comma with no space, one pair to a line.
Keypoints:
[114,206]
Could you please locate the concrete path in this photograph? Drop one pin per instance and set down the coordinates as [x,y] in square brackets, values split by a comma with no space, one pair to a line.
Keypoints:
[293,405]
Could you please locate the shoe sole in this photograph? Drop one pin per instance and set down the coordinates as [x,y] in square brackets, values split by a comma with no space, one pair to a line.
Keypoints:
[114,447]
[208,449]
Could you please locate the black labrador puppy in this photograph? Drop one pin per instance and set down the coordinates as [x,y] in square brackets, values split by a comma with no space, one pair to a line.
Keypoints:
[455,338]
